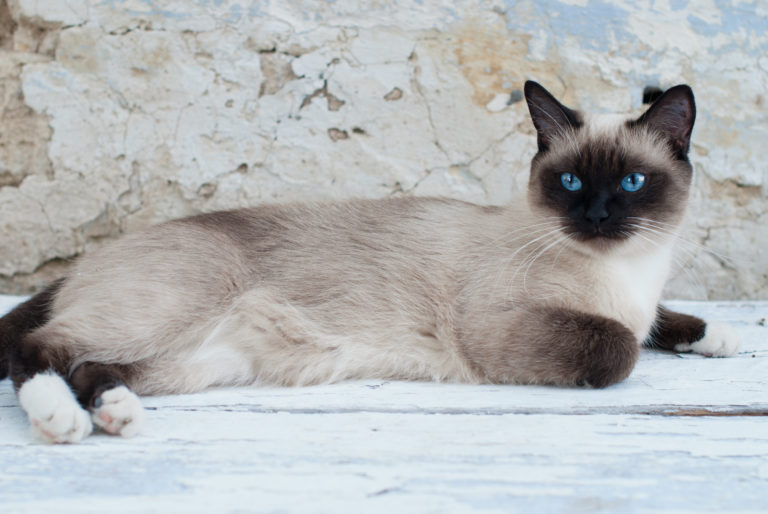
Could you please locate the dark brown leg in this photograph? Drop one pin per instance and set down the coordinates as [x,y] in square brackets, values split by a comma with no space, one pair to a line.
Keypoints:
[677,332]
[38,369]
[102,389]
[91,379]
[62,408]
[555,346]
[672,328]
[34,355]
[22,320]
[589,349]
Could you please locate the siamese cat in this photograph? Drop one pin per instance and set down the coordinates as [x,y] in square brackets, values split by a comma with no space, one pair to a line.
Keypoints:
[561,287]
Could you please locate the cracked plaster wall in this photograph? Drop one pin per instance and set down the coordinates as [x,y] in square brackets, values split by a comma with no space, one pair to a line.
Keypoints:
[121,113]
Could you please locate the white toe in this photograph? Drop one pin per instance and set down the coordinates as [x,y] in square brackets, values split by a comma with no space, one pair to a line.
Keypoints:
[120,412]
[720,340]
[53,410]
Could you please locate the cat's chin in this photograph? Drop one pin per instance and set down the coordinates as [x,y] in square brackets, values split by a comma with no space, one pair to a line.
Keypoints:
[601,244]
[625,244]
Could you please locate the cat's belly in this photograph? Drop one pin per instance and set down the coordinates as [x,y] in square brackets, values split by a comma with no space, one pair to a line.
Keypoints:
[262,340]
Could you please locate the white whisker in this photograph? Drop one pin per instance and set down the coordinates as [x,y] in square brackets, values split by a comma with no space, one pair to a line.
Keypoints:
[537,256]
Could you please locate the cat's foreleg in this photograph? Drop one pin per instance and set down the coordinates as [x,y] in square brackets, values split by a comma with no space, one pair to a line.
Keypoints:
[558,346]
[586,349]
[678,332]
[102,389]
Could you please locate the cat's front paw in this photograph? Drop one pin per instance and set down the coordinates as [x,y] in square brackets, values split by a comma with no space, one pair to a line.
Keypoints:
[119,411]
[720,340]
[53,411]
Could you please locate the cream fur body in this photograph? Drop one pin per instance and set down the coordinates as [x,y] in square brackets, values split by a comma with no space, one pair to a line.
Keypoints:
[397,289]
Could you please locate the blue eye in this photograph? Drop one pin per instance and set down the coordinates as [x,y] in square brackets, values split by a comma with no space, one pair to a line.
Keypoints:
[570,181]
[633,182]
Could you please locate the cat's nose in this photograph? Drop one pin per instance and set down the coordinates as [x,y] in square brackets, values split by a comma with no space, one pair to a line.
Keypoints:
[597,212]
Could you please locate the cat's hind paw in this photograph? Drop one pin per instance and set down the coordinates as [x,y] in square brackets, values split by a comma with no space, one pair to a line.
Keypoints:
[119,411]
[53,410]
[720,340]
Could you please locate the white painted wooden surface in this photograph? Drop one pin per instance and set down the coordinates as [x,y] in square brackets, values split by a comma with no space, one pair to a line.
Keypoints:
[640,446]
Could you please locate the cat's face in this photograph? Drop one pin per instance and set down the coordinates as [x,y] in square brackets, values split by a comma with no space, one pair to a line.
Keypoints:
[606,179]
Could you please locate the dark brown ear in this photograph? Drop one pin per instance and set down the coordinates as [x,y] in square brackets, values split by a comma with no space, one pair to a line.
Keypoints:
[672,115]
[549,116]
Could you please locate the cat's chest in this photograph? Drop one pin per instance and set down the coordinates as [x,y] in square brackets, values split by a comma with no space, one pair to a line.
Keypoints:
[629,288]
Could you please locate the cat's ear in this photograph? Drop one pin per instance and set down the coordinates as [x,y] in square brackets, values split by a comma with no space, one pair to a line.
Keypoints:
[672,115]
[550,117]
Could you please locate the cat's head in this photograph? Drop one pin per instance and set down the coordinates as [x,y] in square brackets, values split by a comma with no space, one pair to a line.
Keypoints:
[608,179]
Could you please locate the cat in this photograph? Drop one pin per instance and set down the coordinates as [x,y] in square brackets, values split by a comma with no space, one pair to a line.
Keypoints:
[561,287]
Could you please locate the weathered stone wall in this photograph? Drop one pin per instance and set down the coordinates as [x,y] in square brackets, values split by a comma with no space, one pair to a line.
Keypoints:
[121,113]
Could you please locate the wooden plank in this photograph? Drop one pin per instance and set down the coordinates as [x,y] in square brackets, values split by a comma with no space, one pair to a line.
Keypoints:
[238,460]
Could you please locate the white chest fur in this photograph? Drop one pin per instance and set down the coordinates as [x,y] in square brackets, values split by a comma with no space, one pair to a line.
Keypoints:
[630,287]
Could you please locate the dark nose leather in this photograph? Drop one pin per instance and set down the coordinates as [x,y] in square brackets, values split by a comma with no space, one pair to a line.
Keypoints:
[598,211]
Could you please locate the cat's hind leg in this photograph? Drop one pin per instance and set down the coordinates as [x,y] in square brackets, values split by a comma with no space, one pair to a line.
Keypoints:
[683,333]
[25,318]
[52,409]
[103,390]
[37,370]
[64,410]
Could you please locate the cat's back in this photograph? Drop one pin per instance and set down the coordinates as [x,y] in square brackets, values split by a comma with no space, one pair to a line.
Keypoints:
[368,229]
[298,247]
[389,251]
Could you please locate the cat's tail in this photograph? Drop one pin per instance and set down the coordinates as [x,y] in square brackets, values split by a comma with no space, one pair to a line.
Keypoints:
[23,319]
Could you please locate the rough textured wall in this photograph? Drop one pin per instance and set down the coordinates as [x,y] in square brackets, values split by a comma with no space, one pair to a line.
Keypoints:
[121,113]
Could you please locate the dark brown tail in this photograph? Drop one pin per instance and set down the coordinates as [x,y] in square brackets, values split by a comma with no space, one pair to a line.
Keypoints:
[26,317]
